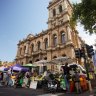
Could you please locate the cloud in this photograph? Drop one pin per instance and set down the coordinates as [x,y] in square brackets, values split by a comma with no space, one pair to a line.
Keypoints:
[89,39]
[75,1]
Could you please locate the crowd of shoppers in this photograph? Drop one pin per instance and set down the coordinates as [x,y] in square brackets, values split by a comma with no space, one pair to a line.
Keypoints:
[71,83]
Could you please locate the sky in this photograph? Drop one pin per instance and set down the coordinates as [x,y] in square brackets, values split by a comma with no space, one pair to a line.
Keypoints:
[18,18]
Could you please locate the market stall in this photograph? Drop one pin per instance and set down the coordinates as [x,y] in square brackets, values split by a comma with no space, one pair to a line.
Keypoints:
[18,67]
[42,64]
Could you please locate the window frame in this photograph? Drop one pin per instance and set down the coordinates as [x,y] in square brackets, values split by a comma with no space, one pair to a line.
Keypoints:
[55,40]
[39,45]
[32,47]
[60,9]
[24,49]
[62,37]
[54,12]
[46,43]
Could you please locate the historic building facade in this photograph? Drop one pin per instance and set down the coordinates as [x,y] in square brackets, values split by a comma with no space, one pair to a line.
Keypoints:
[58,40]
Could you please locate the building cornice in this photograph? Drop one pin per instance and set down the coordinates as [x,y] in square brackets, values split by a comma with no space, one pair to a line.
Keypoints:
[55,1]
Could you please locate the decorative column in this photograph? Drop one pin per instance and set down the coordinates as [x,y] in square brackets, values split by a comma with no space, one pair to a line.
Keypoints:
[68,33]
[50,13]
[18,52]
[48,39]
[65,5]
[27,48]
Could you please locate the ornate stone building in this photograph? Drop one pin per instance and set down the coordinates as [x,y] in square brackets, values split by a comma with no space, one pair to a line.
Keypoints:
[58,40]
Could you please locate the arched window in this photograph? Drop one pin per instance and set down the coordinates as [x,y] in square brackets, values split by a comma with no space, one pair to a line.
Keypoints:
[30,61]
[64,55]
[54,40]
[39,45]
[45,58]
[37,60]
[22,63]
[20,51]
[54,57]
[46,43]
[24,49]
[60,8]
[32,46]
[54,12]
[62,37]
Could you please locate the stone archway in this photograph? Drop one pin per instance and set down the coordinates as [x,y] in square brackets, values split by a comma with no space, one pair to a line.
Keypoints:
[37,60]
[45,58]
[54,57]
[30,61]
[64,55]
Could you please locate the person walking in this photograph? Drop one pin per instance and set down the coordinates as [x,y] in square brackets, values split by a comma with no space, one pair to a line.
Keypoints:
[66,76]
[77,82]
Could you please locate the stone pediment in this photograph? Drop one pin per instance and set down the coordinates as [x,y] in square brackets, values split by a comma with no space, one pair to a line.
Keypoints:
[30,36]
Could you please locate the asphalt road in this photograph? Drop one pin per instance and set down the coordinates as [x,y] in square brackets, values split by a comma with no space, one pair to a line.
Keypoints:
[7,91]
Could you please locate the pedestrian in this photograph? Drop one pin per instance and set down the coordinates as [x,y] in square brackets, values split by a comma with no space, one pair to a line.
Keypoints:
[66,76]
[7,79]
[10,83]
[77,82]
[26,79]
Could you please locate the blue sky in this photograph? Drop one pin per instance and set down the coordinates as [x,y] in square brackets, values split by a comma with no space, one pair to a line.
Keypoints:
[18,18]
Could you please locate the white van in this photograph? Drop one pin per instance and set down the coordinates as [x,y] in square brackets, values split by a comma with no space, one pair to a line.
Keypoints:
[74,66]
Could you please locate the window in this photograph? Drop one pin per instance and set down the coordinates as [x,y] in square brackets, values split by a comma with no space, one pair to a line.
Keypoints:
[20,51]
[45,58]
[54,57]
[62,37]
[54,12]
[64,55]
[32,47]
[37,60]
[61,22]
[22,63]
[55,40]
[46,43]
[60,8]
[39,45]
[24,49]
[30,61]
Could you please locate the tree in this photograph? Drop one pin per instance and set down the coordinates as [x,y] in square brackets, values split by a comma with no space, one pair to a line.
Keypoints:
[85,13]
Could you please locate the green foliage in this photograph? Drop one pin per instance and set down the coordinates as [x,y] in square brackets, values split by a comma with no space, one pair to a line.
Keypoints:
[85,13]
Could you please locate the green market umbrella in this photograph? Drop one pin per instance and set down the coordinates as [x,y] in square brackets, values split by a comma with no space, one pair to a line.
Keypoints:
[29,65]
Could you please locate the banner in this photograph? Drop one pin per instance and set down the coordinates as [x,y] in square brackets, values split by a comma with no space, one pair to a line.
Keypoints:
[33,84]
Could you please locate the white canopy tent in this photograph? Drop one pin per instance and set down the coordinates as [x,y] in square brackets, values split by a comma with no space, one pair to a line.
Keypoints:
[42,64]
[2,68]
